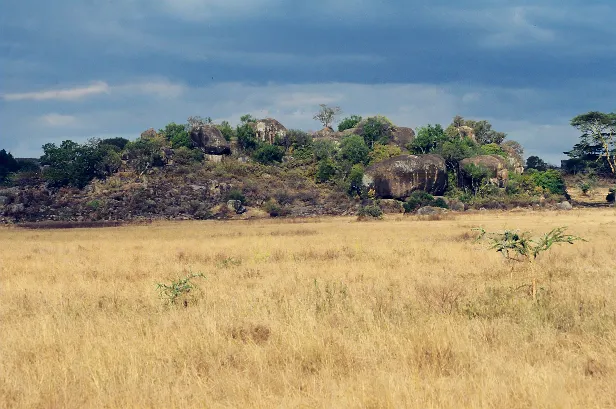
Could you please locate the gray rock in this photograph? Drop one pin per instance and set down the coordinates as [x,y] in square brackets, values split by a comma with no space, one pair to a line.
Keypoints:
[564,205]
[398,177]
[496,165]
[429,210]
[210,140]
[456,206]
[3,200]
[236,206]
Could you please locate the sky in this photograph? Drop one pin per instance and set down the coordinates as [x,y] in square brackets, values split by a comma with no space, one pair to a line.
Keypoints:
[80,69]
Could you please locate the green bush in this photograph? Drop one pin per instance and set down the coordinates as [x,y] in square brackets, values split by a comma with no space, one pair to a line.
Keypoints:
[236,194]
[354,150]
[184,156]
[144,154]
[325,170]
[8,165]
[349,122]
[177,135]
[377,129]
[428,139]
[477,175]
[294,139]
[323,149]
[493,149]
[355,180]
[440,202]
[268,154]
[371,210]
[226,130]
[246,137]
[383,152]
[418,199]
[550,180]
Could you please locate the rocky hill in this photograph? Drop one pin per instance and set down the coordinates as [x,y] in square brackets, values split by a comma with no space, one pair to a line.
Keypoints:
[262,169]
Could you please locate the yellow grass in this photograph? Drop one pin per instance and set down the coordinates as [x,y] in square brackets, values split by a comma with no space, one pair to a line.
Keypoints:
[323,313]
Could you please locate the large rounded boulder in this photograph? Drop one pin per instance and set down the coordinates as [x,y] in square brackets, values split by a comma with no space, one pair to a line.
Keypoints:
[403,136]
[268,129]
[398,177]
[210,140]
[495,164]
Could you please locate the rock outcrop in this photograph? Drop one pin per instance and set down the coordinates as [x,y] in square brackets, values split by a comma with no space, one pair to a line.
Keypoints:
[149,134]
[401,175]
[495,164]
[210,140]
[402,136]
[268,129]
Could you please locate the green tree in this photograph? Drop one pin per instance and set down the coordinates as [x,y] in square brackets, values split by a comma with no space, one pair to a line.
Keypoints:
[550,180]
[74,164]
[327,115]
[177,135]
[326,170]
[535,162]
[477,175]
[226,130]
[356,180]
[599,133]
[493,149]
[455,150]
[294,139]
[246,137]
[377,129]
[245,119]
[428,139]
[323,149]
[349,122]
[8,165]
[144,154]
[120,143]
[354,150]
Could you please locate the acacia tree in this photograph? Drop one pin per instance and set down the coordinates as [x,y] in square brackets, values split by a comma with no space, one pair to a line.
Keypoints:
[327,115]
[599,129]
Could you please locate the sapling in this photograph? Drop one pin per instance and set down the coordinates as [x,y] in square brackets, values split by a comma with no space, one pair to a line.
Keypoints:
[180,288]
[517,246]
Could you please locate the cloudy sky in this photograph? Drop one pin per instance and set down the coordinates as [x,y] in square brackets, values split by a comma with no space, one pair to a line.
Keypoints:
[76,69]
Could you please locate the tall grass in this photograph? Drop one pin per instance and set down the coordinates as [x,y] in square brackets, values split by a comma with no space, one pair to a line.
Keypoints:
[399,313]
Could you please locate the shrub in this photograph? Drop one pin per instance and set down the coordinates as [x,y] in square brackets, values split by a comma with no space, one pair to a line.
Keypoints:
[226,130]
[371,210]
[182,289]
[268,154]
[349,122]
[177,135]
[419,198]
[478,176]
[325,170]
[377,129]
[273,208]
[382,152]
[493,149]
[236,194]
[323,149]
[428,139]
[550,180]
[184,156]
[356,180]
[144,154]
[294,139]
[246,137]
[354,150]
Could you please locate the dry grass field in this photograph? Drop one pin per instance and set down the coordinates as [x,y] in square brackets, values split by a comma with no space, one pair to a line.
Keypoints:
[309,314]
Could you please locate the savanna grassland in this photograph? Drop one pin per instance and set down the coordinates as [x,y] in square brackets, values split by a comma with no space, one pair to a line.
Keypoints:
[320,313]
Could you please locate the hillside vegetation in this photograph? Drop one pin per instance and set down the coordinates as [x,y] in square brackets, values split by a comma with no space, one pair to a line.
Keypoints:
[202,170]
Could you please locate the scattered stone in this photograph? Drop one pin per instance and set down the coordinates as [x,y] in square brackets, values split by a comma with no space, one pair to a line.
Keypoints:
[236,206]
[565,205]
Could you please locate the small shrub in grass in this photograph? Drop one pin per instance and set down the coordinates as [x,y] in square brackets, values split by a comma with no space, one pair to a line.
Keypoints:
[179,292]
[371,210]
[420,198]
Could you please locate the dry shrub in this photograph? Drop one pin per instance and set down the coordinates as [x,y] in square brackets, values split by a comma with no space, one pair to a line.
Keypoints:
[259,334]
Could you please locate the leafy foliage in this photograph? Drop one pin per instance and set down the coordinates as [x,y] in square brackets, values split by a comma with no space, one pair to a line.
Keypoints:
[514,245]
[8,165]
[377,129]
[181,289]
[550,180]
[294,139]
[535,162]
[73,164]
[267,154]
[355,180]
[323,149]
[246,137]
[144,154]
[177,135]
[226,130]
[478,176]
[349,122]
[429,138]
[354,150]
[598,137]
[383,152]
[326,169]
[419,199]
[372,210]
